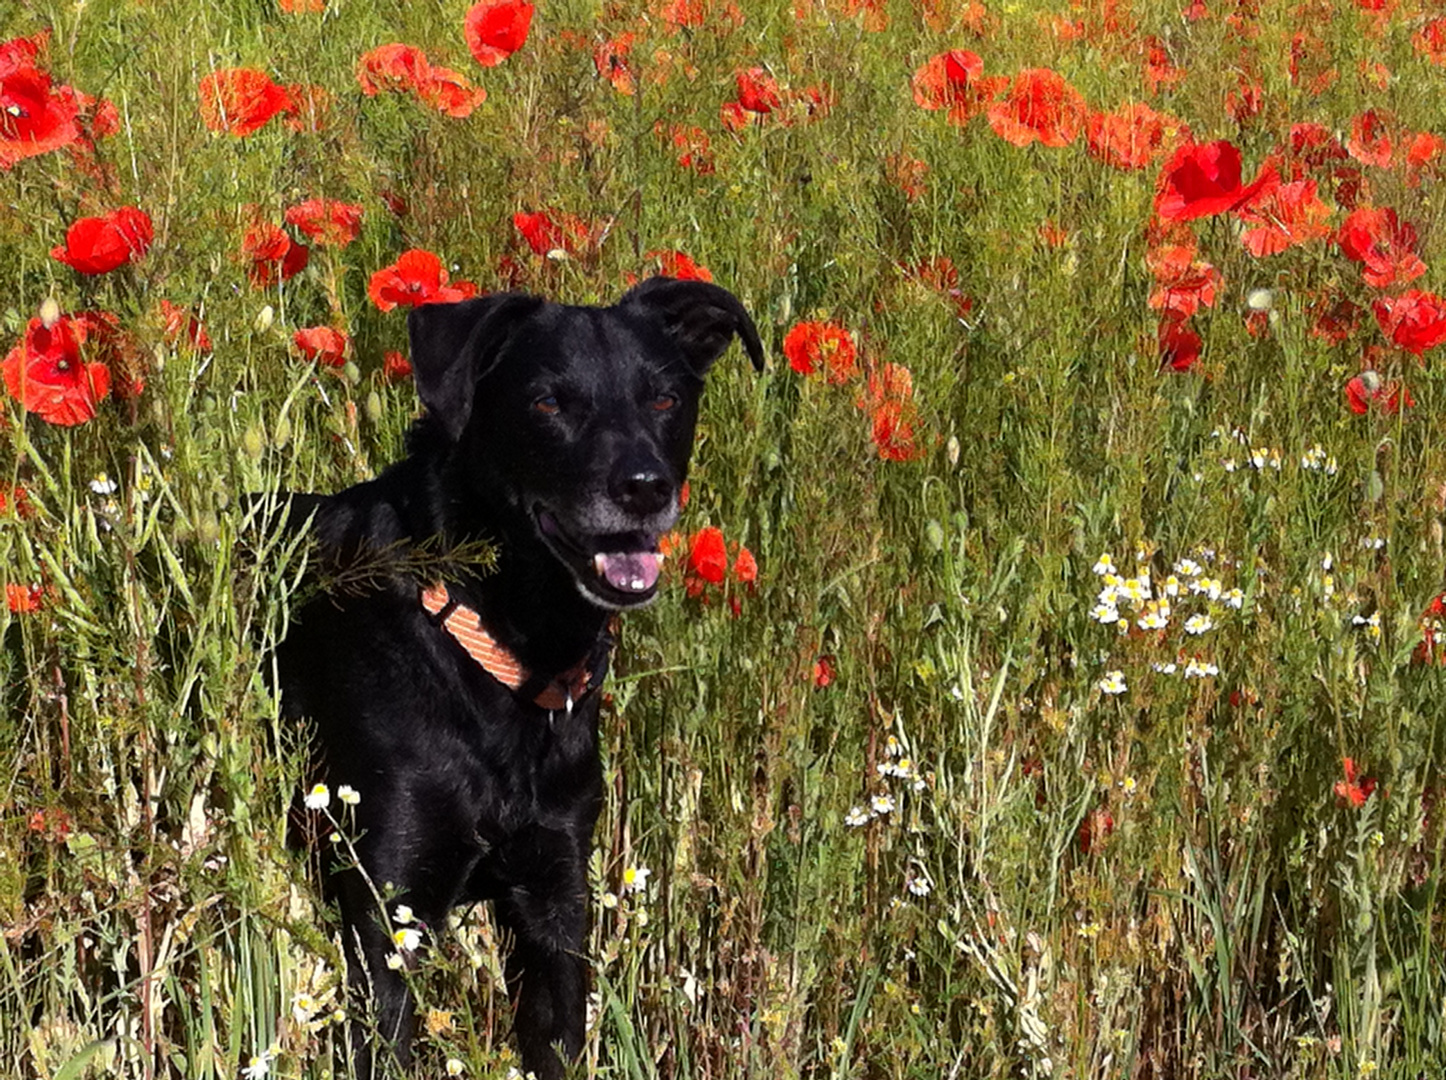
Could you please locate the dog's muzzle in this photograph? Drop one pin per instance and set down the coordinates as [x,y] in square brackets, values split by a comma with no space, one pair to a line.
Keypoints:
[614,569]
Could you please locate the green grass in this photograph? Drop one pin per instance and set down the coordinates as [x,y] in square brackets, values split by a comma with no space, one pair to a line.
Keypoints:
[1235,918]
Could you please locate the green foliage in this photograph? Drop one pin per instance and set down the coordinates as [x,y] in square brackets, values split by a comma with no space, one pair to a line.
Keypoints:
[961,856]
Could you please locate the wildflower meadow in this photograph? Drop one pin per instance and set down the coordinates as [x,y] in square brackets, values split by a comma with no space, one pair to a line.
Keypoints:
[1049,672]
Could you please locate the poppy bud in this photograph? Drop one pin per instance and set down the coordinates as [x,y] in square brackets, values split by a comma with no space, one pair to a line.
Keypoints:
[253,443]
[49,312]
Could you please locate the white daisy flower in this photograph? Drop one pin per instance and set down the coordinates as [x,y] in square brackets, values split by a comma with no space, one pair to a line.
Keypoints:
[635,879]
[1200,669]
[1198,624]
[1113,683]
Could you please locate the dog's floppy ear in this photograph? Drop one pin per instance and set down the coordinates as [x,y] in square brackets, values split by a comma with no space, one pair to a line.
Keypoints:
[454,345]
[700,317]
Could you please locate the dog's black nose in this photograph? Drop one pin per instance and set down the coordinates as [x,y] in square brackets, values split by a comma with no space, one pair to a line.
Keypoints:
[641,491]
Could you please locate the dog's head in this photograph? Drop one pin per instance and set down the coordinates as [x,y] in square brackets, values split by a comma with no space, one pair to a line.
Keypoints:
[579,420]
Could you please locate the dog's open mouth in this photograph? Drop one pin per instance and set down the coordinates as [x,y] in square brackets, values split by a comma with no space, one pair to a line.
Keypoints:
[614,569]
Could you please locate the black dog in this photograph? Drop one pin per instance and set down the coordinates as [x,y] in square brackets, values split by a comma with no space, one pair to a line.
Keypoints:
[461,703]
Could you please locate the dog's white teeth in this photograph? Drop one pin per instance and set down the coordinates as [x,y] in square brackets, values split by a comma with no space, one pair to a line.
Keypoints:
[637,584]
[599,562]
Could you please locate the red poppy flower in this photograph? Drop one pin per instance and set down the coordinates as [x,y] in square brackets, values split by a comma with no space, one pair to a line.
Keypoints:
[1415,320]
[240,101]
[955,81]
[811,345]
[1312,147]
[890,404]
[1367,389]
[1179,344]
[405,69]
[1160,70]
[707,558]
[1283,217]
[22,52]
[95,245]
[1335,319]
[675,264]
[906,173]
[547,232]
[1422,148]
[1311,65]
[494,31]
[1202,180]
[35,117]
[273,255]
[757,91]
[692,144]
[942,276]
[1384,245]
[892,430]
[823,672]
[1040,105]
[181,325]
[1129,138]
[1351,790]
[309,108]
[745,567]
[1432,647]
[734,117]
[24,599]
[17,502]
[396,367]
[611,58]
[1246,101]
[417,277]
[97,118]
[1185,284]
[450,93]
[326,221]
[49,375]
[396,67]
[1430,41]
[323,344]
[1370,140]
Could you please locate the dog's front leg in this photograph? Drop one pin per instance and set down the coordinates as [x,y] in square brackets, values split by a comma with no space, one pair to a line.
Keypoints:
[547,969]
[369,948]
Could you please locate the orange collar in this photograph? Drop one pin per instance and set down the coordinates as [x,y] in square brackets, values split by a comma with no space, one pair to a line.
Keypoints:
[465,626]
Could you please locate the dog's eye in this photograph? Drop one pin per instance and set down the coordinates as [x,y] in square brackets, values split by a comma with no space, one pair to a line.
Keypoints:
[664,402]
[548,406]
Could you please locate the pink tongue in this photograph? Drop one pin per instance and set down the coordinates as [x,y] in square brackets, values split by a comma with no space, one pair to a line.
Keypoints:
[630,571]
